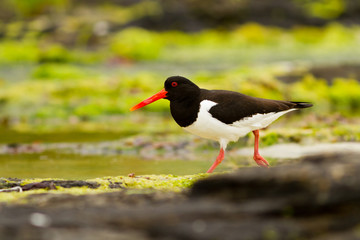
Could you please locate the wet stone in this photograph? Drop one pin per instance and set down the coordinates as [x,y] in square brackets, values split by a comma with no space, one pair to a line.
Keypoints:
[7,183]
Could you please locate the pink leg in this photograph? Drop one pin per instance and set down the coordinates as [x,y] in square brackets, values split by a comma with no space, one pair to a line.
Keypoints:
[258,159]
[218,160]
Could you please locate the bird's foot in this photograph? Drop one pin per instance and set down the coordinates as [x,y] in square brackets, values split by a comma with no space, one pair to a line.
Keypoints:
[261,161]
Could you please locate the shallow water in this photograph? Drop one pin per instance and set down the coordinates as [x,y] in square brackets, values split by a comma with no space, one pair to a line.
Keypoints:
[57,163]
[71,166]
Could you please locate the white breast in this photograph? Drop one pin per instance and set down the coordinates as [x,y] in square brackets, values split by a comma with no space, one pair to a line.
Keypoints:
[209,127]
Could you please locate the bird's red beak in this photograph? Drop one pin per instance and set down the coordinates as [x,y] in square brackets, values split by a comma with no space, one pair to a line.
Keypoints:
[149,100]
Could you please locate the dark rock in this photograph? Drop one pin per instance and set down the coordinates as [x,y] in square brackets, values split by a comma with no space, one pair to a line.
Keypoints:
[39,185]
[330,73]
[6,183]
[115,184]
[75,183]
[51,184]
[327,72]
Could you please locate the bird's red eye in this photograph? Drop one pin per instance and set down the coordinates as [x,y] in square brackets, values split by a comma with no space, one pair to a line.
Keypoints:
[174,84]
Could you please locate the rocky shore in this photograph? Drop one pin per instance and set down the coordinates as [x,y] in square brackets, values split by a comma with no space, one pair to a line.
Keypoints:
[316,198]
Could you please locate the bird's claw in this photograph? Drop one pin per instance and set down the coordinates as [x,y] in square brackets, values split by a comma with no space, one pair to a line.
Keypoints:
[261,161]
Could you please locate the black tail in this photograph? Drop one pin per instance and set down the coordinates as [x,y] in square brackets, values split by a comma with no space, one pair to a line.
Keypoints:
[302,104]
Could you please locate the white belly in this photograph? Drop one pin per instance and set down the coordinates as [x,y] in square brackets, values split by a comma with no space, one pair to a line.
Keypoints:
[209,127]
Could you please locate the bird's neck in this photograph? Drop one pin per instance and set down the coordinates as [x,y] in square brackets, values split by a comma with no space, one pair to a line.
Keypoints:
[185,111]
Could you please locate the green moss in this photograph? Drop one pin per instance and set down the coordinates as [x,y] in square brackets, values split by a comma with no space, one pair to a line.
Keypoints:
[158,182]
[326,9]
[18,51]
[34,7]
[344,96]
[54,53]
[141,183]
[286,135]
[136,44]
[270,139]
[58,71]
[5,183]
[312,90]
[271,234]
[309,35]
[340,97]
[347,133]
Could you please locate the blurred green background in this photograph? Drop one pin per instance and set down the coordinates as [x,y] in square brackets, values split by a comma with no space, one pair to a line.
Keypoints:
[70,70]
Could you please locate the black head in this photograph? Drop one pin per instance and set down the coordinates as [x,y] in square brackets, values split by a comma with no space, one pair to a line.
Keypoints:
[179,88]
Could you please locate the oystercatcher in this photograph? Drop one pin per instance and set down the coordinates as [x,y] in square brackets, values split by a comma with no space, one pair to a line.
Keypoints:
[220,115]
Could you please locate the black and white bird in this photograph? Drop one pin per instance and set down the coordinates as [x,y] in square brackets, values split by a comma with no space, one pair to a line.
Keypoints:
[220,115]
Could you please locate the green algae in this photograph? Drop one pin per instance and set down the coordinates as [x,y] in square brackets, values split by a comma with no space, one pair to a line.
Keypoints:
[132,185]
[166,182]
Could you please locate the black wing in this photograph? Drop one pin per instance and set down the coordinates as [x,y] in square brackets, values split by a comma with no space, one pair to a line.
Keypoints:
[234,106]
